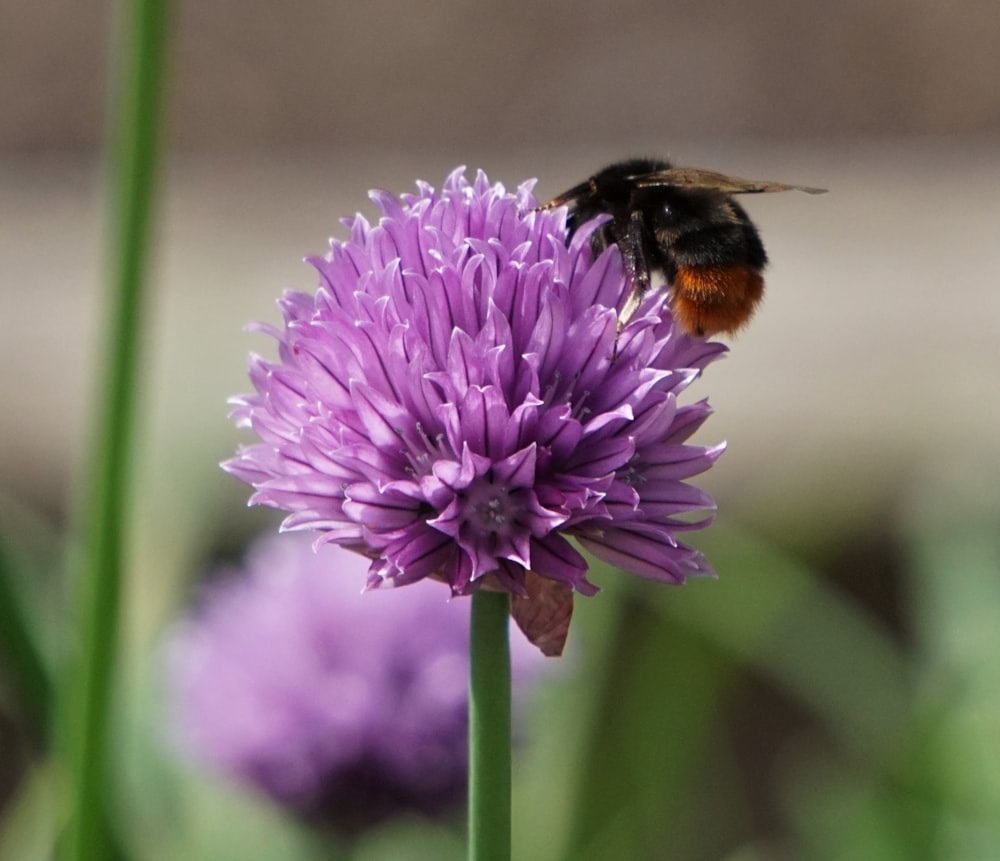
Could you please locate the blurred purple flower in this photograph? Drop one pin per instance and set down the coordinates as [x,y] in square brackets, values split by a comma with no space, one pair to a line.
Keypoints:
[448,402]
[346,707]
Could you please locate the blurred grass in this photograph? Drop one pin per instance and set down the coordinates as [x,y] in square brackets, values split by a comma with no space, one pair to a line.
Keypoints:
[27,828]
[780,618]
[938,797]
[27,639]
[654,710]
[952,525]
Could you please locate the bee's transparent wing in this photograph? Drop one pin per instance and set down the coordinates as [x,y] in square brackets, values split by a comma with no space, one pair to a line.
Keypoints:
[689,177]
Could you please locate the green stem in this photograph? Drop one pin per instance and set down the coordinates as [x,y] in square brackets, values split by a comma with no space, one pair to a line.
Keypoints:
[489,728]
[135,118]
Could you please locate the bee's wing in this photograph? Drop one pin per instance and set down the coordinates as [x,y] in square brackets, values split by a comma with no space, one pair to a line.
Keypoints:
[690,177]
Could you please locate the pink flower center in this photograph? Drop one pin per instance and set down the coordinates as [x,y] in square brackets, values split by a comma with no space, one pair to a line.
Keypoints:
[489,507]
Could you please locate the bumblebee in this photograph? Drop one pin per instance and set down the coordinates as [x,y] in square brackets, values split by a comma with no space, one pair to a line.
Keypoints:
[684,224]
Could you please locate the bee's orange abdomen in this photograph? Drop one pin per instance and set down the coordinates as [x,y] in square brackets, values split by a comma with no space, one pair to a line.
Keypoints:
[710,299]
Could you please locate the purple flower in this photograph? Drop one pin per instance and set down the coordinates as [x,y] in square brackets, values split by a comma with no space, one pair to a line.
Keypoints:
[347,707]
[456,401]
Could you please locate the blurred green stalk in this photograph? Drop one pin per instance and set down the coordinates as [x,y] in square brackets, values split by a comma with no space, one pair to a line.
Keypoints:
[134,131]
[19,645]
[489,728]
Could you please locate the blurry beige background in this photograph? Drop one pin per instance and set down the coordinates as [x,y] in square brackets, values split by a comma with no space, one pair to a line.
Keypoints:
[876,351]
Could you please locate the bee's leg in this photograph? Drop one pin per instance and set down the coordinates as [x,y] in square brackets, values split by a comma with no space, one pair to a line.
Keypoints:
[636,266]
[573,194]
